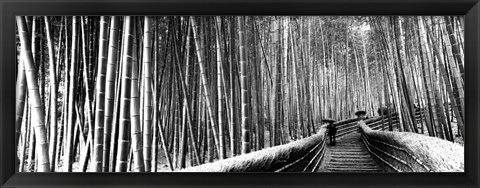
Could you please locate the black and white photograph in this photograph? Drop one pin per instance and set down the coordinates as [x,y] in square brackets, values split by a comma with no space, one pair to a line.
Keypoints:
[322,94]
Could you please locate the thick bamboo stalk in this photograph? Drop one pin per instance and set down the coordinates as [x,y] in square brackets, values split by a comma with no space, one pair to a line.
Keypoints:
[278,86]
[111,72]
[243,87]
[147,87]
[220,87]
[123,139]
[135,121]
[98,144]
[21,92]
[233,94]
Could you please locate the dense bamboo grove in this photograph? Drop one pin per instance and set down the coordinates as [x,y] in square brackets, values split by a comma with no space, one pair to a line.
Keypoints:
[148,94]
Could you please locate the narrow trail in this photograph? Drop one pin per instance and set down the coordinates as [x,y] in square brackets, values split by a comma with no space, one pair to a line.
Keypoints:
[348,155]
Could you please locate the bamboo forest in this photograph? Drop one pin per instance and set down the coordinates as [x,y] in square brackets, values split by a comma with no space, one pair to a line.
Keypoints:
[239,93]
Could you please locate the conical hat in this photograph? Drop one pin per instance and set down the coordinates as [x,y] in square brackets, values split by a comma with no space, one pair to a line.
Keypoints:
[329,120]
[361,112]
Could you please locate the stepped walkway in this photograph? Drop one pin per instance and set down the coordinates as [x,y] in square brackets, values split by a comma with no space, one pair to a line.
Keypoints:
[348,155]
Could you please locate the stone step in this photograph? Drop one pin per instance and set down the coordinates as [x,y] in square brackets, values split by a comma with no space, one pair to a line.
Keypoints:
[357,159]
[346,153]
[352,161]
[352,170]
[355,142]
[346,147]
[339,165]
[351,157]
[349,151]
[351,154]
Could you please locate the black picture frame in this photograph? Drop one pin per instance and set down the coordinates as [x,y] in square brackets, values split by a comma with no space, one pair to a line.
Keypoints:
[11,8]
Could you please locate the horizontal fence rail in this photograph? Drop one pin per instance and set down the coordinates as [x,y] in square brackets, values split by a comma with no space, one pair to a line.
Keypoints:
[411,152]
[347,126]
[380,122]
[302,155]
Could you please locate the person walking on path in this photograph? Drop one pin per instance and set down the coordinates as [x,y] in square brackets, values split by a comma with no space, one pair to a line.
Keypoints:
[361,115]
[332,130]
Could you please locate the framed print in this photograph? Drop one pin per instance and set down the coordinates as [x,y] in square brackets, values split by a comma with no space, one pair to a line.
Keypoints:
[239,93]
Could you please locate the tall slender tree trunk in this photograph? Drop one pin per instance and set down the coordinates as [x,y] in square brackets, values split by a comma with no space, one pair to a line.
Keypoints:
[69,149]
[53,95]
[135,121]
[220,87]
[147,88]
[97,157]
[243,86]
[111,74]
[123,139]
[278,88]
